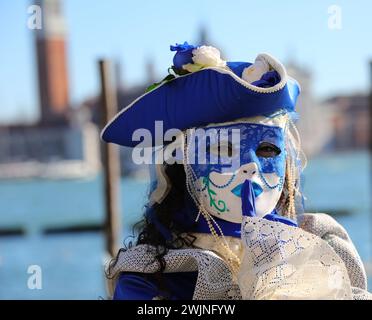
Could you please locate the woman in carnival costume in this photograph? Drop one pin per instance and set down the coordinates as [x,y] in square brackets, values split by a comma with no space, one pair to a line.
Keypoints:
[225,217]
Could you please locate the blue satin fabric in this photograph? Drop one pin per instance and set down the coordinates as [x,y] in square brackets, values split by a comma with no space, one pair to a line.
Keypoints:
[248,206]
[279,218]
[234,229]
[195,100]
[141,286]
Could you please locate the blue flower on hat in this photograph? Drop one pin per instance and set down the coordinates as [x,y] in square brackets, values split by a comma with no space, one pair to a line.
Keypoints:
[184,54]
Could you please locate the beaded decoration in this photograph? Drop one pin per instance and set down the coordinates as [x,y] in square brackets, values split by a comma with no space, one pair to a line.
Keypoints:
[192,184]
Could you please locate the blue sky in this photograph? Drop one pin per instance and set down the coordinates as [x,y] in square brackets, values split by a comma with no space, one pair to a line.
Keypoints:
[135,31]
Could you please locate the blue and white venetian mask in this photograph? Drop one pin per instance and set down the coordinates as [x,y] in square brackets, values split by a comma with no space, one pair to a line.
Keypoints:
[228,154]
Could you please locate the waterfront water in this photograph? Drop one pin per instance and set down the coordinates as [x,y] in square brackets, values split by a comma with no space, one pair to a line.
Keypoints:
[72,264]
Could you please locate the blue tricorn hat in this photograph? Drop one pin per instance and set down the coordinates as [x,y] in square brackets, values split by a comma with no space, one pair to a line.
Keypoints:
[204,89]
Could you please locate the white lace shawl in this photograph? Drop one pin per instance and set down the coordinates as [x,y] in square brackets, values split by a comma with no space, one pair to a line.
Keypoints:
[315,261]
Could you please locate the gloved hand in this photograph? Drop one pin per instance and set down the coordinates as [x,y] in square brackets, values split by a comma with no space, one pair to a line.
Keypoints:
[249,208]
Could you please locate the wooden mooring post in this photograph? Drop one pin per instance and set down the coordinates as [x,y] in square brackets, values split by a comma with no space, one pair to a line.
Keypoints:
[370,153]
[110,161]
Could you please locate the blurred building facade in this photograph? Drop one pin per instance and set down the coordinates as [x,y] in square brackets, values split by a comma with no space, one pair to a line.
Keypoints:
[49,152]
[350,121]
[314,123]
[339,123]
[57,146]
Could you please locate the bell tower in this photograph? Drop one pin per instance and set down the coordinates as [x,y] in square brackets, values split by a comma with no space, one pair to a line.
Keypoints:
[52,63]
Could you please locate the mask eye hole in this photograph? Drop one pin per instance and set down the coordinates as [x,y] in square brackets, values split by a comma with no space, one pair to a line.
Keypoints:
[267,150]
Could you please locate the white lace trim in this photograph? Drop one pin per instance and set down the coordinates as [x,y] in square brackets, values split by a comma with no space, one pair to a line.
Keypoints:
[284,262]
[279,262]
